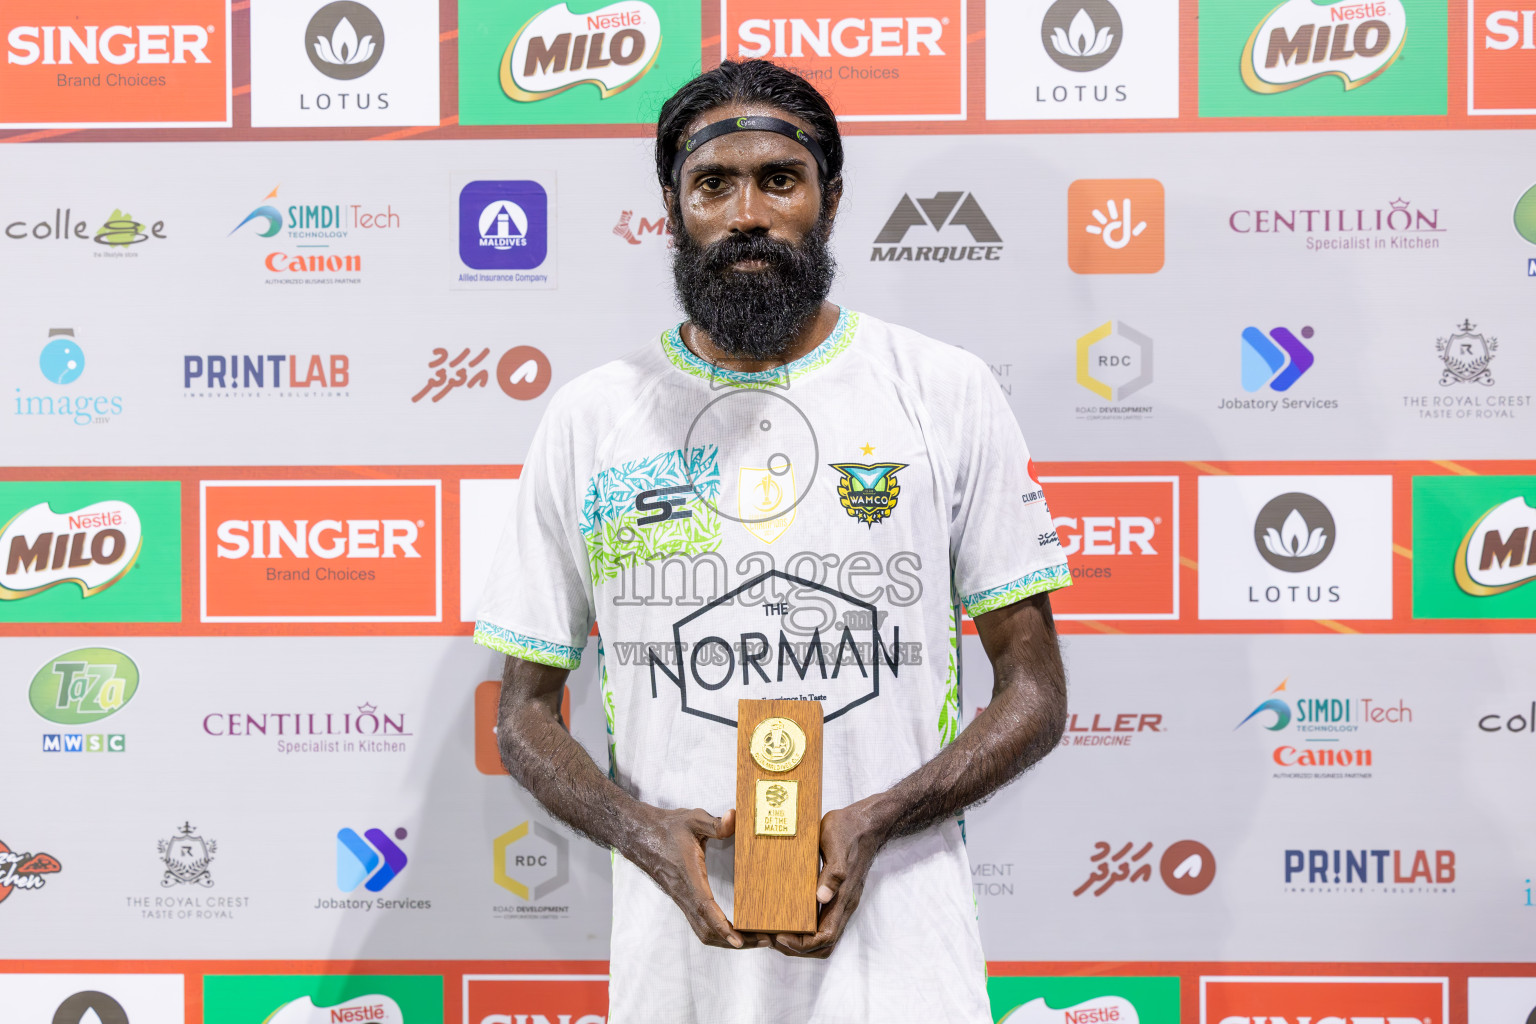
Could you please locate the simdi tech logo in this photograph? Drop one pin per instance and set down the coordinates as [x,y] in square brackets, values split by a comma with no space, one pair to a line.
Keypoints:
[90,552]
[321,551]
[532,998]
[323,999]
[874,60]
[115,64]
[1349,1000]
[1115,226]
[344,63]
[580,62]
[1322,57]
[93,998]
[1032,1000]
[1474,547]
[1333,723]
[1122,537]
[1501,57]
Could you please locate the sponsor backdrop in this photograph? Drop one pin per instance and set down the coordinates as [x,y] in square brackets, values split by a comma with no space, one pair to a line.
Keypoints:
[289,285]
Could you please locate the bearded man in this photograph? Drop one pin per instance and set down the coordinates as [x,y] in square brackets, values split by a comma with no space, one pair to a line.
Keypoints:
[737,500]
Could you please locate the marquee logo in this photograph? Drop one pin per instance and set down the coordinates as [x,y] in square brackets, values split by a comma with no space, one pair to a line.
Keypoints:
[92,547]
[532,998]
[1115,226]
[134,63]
[1383,1000]
[613,48]
[321,551]
[1122,536]
[941,212]
[1303,40]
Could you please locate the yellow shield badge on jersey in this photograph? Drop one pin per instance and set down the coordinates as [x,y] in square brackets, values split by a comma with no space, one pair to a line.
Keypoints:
[766,501]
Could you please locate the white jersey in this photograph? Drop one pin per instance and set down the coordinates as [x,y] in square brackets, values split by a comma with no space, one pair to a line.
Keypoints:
[804,532]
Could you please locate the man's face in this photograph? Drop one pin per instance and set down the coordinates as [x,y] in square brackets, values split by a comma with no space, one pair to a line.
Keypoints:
[750,259]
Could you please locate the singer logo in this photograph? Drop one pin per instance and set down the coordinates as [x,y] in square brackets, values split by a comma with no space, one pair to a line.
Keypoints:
[536,998]
[321,551]
[1502,69]
[1121,536]
[92,547]
[875,60]
[115,63]
[1244,1000]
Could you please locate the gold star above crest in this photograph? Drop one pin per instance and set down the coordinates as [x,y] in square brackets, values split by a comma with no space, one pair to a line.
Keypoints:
[868,449]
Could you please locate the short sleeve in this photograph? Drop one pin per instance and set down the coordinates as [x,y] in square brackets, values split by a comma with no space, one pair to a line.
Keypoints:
[1002,544]
[538,601]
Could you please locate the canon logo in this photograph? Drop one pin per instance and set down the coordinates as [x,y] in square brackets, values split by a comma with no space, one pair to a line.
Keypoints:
[115,44]
[1106,535]
[1508,29]
[849,37]
[324,538]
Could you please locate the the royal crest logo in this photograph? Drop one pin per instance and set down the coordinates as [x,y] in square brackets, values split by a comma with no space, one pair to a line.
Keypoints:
[186,856]
[613,48]
[869,493]
[1466,355]
[93,547]
[1303,40]
[24,870]
[766,501]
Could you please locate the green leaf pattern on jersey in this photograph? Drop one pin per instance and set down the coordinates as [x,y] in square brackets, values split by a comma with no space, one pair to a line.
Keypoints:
[680,356]
[528,648]
[606,692]
[609,519]
[949,711]
[1051,578]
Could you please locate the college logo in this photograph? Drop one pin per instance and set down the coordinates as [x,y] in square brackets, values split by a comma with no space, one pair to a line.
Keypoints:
[522,65]
[1277,359]
[1028,1000]
[886,61]
[503,225]
[1473,547]
[868,493]
[943,211]
[522,373]
[24,871]
[1295,547]
[371,860]
[1312,57]
[1115,226]
[1186,867]
[1501,57]
[140,64]
[323,999]
[1122,535]
[1247,1000]
[61,362]
[516,998]
[321,551]
[531,861]
[92,547]
[186,856]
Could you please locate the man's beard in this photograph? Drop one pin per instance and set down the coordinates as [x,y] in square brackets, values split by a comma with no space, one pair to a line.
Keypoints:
[752,314]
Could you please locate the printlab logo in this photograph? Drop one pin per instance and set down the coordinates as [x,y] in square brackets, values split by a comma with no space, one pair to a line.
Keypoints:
[371,860]
[1294,532]
[26,871]
[1114,361]
[1502,57]
[1187,867]
[531,861]
[522,373]
[1115,226]
[62,361]
[266,375]
[1082,35]
[186,856]
[940,213]
[1370,871]
[345,40]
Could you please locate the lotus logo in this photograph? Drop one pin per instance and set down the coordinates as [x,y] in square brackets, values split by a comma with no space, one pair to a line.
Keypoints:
[1081,35]
[344,40]
[1294,532]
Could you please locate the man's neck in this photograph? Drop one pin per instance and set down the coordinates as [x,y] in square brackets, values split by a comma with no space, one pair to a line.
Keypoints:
[811,334]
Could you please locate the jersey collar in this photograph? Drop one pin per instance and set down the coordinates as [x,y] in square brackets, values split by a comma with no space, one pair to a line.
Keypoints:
[680,356]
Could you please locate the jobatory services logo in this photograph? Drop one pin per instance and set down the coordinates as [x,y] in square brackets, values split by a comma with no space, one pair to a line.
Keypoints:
[1102,1000]
[1392,999]
[323,999]
[90,552]
[522,373]
[941,214]
[581,62]
[506,233]
[93,998]
[874,60]
[321,551]
[1115,226]
[1316,547]
[371,860]
[84,687]
[61,363]
[116,64]
[1473,547]
[1270,363]
[1325,736]
[1501,57]
[515,998]
[344,64]
[28,872]
[1322,57]
[1122,537]
[266,375]
[1114,361]
[1063,59]
[1187,867]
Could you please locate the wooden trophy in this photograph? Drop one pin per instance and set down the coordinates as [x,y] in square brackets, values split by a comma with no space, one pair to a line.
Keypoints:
[778,814]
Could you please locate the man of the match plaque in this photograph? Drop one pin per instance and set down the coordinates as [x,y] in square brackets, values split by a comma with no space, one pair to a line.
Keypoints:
[778,816]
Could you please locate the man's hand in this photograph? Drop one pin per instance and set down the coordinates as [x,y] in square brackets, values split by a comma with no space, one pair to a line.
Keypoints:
[672,853]
[850,838]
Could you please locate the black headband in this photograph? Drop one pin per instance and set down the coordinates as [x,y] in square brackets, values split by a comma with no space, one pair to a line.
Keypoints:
[747,124]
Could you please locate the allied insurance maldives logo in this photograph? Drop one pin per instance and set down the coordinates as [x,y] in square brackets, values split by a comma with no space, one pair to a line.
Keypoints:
[573,63]
[321,551]
[1322,57]
[115,63]
[874,60]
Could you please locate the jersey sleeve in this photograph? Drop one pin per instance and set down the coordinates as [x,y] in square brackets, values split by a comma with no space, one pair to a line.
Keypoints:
[1002,544]
[538,602]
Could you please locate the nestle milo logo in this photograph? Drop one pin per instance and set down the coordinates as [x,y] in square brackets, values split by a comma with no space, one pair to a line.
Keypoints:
[84,686]
[93,547]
